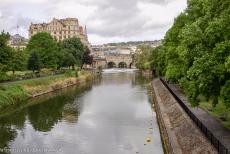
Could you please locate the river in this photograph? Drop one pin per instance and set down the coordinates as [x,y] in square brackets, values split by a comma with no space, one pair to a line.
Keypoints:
[112,115]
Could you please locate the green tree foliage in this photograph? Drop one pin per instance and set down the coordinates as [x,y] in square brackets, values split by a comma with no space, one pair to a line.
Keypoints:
[196,51]
[75,47]
[69,60]
[46,48]
[34,62]
[18,61]
[5,51]
[225,91]
[87,58]
[142,57]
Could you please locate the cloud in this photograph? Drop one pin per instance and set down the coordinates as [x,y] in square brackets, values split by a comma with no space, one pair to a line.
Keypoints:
[107,20]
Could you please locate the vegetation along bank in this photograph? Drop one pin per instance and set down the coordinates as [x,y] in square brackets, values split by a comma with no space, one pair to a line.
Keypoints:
[195,54]
[20,91]
[43,56]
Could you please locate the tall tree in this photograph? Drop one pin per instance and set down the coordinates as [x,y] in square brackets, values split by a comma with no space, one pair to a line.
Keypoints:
[46,48]
[142,57]
[5,51]
[75,47]
[18,61]
[34,61]
[69,60]
[87,58]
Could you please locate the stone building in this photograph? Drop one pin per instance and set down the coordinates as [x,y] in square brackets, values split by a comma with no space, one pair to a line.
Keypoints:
[61,29]
[18,42]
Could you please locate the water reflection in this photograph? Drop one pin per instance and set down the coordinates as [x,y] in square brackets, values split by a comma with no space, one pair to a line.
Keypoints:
[42,116]
[113,116]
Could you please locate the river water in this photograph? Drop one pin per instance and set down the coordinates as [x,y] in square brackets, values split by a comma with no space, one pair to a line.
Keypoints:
[112,115]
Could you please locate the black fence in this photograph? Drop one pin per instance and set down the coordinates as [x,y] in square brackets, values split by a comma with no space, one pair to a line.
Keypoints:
[214,141]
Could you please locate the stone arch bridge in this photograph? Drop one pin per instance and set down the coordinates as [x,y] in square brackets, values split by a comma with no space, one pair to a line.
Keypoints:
[114,61]
[119,60]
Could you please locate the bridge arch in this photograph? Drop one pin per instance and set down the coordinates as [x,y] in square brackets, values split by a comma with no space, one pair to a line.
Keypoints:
[120,60]
[131,65]
[111,64]
[122,65]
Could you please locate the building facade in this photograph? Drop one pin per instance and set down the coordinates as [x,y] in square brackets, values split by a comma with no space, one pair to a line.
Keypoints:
[18,42]
[61,29]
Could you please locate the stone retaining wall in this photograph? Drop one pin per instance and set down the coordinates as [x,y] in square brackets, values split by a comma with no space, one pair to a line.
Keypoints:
[179,134]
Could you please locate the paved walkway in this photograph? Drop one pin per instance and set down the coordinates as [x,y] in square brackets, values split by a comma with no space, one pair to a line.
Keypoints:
[220,132]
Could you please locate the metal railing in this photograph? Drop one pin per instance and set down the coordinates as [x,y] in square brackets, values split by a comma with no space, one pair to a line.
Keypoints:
[209,134]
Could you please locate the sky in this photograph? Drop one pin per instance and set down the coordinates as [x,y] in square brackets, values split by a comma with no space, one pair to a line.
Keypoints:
[106,20]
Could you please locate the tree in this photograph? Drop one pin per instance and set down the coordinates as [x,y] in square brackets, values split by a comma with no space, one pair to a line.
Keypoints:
[46,48]
[196,51]
[5,51]
[34,62]
[87,58]
[74,47]
[69,60]
[142,57]
[17,61]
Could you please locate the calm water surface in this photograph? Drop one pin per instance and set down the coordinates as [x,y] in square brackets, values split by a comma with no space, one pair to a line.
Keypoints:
[111,116]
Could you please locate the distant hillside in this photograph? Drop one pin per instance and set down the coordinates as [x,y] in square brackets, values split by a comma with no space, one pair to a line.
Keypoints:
[135,43]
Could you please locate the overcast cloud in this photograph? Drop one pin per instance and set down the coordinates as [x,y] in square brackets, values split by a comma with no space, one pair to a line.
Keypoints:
[106,20]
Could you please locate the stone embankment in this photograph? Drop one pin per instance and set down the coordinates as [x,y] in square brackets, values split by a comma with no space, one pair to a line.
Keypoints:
[179,134]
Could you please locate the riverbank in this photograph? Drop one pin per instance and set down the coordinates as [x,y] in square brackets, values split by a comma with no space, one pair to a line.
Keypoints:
[179,133]
[17,92]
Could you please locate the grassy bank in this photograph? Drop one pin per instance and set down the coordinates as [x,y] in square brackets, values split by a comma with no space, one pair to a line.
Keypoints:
[21,75]
[17,92]
[221,112]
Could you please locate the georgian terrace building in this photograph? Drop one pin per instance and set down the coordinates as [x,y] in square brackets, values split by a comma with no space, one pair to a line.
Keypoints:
[61,29]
